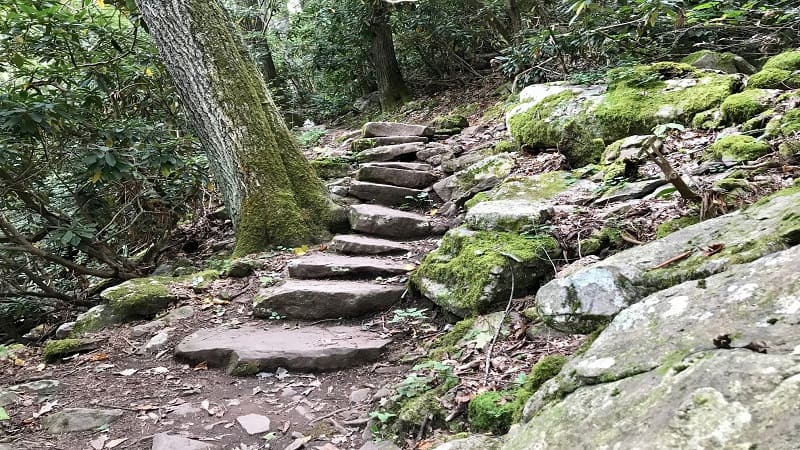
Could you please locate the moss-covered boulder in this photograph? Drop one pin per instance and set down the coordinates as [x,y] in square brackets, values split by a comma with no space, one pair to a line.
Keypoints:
[472,270]
[492,412]
[518,204]
[738,108]
[452,122]
[55,349]
[780,72]
[95,319]
[737,147]
[724,62]
[784,125]
[581,121]
[146,297]
[328,168]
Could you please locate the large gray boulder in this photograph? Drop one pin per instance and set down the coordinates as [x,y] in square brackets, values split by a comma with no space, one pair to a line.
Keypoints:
[581,301]
[659,376]
[72,420]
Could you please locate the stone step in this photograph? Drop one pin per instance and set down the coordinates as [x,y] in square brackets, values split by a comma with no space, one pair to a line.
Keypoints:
[365,143]
[251,348]
[395,176]
[383,153]
[326,299]
[356,244]
[378,129]
[388,222]
[383,194]
[322,265]
[402,165]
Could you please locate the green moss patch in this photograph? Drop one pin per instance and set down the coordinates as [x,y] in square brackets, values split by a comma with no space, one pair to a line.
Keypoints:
[580,122]
[492,412]
[57,349]
[327,168]
[737,148]
[538,187]
[471,270]
[738,108]
[359,145]
[784,61]
[455,121]
[673,225]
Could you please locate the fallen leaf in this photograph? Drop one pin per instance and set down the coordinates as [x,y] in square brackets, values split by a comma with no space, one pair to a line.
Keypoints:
[100,356]
[127,372]
[722,341]
[46,408]
[409,267]
[4,414]
[713,249]
[281,373]
[757,346]
[201,366]
[158,370]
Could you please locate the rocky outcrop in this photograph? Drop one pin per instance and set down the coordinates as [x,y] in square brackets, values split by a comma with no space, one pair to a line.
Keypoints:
[704,364]
[591,297]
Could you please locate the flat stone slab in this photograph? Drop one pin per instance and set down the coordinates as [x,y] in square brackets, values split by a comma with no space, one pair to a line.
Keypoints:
[326,299]
[388,140]
[72,420]
[382,194]
[401,165]
[166,441]
[251,348]
[630,191]
[394,176]
[379,129]
[383,221]
[390,152]
[338,266]
[254,423]
[356,244]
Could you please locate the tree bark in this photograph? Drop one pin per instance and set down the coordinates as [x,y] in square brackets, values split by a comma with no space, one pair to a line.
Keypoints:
[391,86]
[271,191]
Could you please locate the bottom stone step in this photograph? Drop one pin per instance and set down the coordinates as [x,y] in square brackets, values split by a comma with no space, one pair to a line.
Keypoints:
[325,299]
[251,348]
[356,244]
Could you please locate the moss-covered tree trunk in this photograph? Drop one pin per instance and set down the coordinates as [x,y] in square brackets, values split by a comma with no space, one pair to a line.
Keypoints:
[391,86]
[272,193]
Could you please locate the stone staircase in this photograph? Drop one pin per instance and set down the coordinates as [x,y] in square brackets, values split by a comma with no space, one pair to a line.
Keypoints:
[359,274]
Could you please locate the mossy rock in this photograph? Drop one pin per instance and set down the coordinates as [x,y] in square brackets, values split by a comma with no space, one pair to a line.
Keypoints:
[785,125]
[580,121]
[146,297]
[506,147]
[56,349]
[725,62]
[95,319]
[739,108]
[359,145]
[758,122]
[472,270]
[737,148]
[784,61]
[328,168]
[708,120]
[492,412]
[451,122]
[674,225]
[534,188]
[420,409]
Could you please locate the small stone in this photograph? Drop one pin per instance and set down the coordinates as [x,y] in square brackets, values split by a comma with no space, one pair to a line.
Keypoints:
[147,328]
[80,419]
[182,313]
[254,423]
[64,330]
[158,342]
[240,268]
[166,441]
[184,409]
[39,387]
[360,395]
[380,394]
[8,398]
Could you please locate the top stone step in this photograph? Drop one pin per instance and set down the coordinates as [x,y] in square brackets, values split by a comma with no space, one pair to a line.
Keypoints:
[386,129]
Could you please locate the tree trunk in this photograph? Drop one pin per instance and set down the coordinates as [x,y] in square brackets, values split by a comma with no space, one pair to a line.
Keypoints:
[272,193]
[392,88]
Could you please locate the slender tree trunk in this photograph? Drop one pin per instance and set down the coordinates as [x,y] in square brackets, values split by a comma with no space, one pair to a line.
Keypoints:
[391,86]
[272,193]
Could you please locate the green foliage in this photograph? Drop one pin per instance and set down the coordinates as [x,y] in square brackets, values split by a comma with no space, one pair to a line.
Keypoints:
[310,138]
[97,161]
